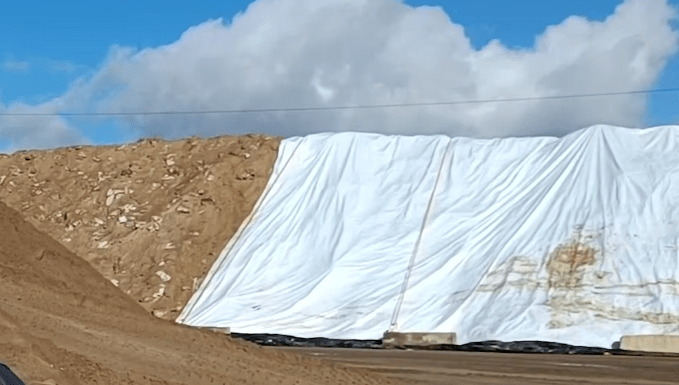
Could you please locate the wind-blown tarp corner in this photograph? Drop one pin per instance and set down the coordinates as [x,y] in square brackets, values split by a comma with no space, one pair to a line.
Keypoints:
[571,240]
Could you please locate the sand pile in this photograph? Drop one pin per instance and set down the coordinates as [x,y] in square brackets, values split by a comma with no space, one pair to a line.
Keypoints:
[152,216]
[62,323]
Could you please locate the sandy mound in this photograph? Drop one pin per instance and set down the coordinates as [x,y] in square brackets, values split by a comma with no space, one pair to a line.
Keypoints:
[152,216]
[62,323]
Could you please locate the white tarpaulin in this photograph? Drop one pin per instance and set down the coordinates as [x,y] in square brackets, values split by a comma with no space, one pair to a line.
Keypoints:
[571,239]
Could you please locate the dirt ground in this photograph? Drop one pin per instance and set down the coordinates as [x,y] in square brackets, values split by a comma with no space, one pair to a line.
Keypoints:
[150,216]
[61,322]
[443,368]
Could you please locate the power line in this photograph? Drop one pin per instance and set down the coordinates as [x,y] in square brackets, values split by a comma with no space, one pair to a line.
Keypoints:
[349,107]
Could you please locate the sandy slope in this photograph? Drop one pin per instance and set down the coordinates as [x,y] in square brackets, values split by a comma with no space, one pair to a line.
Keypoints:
[150,216]
[62,323]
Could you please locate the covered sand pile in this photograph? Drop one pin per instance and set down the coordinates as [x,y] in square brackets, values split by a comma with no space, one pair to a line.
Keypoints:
[62,323]
[151,216]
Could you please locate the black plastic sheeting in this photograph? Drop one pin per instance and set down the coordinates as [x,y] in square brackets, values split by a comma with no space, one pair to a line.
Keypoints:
[7,377]
[319,342]
[484,346]
[522,347]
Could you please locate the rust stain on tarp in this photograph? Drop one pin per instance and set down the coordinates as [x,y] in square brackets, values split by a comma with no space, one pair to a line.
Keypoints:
[517,272]
[568,267]
[579,287]
[576,288]
[566,264]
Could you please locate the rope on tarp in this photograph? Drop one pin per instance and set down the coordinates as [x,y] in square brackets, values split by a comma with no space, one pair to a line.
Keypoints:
[393,326]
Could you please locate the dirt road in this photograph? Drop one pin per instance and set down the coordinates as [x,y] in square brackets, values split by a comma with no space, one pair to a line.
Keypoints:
[427,367]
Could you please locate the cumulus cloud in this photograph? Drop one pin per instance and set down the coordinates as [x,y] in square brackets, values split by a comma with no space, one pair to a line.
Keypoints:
[318,53]
[14,65]
[65,66]
[36,132]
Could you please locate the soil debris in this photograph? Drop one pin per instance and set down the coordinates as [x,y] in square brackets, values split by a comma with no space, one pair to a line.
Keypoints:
[124,209]
[61,322]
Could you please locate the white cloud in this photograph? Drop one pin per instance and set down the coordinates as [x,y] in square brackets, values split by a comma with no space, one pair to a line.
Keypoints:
[303,53]
[36,132]
[65,66]
[14,65]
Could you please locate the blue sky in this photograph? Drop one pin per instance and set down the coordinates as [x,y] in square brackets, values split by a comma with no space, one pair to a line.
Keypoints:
[45,46]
